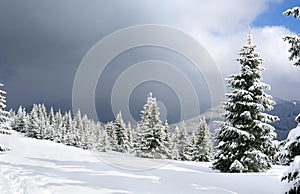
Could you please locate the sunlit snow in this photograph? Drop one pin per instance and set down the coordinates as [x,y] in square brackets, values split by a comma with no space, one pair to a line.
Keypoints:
[40,166]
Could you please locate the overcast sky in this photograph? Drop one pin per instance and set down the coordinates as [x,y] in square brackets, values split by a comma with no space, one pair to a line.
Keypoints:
[43,42]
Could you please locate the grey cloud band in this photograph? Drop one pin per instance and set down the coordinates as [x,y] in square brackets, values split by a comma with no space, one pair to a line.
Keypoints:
[99,56]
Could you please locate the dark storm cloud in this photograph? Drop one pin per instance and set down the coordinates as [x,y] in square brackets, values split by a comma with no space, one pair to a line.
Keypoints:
[35,31]
[43,42]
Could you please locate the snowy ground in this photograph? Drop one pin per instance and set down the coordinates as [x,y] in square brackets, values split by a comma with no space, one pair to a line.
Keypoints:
[39,166]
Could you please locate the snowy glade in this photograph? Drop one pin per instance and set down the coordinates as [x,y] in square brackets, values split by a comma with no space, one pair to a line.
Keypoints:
[150,139]
[245,137]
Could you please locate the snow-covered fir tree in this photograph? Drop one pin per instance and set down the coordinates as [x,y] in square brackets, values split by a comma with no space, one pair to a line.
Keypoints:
[202,145]
[45,130]
[121,135]
[20,120]
[96,134]
[12,116]
[137,137]
[151,130]
[243,138]
[166,140]
[130,138]
[51,117]
[104,145]
[112,137]
[183,147]
[192,146]
[86,139]
[92,133]
[292,177]
[58,130]
[78,128]
[48,132]
[161,146]
[51,131]
[174,143]
[5,127]
[291,146]
[33,123]
[4,115]
[69,137]
[80,132]
[41,121]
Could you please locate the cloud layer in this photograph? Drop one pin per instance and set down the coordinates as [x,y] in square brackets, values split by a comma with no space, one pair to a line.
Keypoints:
[43,42]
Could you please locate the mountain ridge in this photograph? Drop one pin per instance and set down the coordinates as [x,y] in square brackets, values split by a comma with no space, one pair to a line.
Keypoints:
[286,110]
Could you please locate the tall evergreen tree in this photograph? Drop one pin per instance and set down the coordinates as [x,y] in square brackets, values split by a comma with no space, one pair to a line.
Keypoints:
[120,130]
[41,121]
[78,129]
[151,128]
[183,143]
[33,123]
[48,132]
[137,137]
[104,145]
[94,133]
[130,138]
[112,137]
[69,138]
[162,150]
[97,143]
[51,117]
[13,119]
[20,120]
[4,118]
[167,139]
[51,125]
[203,146]
[174,144]
[86,140]
[245,134]
[4,115]
[58,129]
[193,150]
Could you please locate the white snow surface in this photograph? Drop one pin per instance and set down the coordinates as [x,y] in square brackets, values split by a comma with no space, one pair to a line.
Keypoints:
[39,166]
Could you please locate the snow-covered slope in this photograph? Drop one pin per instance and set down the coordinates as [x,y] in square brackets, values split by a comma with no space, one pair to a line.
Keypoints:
[39,166]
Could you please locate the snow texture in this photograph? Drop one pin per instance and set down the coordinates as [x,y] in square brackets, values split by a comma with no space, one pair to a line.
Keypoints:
[43,167]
